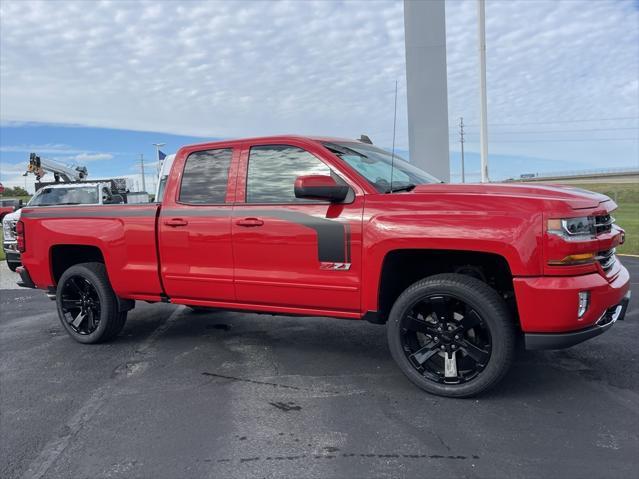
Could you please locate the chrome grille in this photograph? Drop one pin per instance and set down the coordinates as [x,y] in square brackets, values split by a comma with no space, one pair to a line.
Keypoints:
[606,259]
[603,224]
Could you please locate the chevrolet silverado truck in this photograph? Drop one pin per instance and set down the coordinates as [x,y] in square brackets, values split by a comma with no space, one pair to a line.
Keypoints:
[307,226]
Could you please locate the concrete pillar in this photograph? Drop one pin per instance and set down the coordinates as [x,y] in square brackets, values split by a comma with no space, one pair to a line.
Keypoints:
[426,82]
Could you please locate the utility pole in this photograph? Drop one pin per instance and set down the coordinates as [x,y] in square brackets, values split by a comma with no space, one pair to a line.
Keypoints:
[461,141]
[142,168]
[481,10]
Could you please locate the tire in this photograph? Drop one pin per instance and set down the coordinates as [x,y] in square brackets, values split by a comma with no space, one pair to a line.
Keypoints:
[90,283]
[13,266]
[442,296]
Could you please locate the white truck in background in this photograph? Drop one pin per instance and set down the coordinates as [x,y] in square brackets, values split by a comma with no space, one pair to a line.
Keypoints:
[85,193]
[165,169]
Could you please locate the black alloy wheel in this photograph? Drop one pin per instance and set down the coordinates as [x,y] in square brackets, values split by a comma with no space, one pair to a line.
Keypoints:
[87,305]
[80,305]
[445,339]
[452,335]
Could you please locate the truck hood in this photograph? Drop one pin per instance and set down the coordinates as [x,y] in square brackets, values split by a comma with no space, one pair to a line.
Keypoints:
[576,198]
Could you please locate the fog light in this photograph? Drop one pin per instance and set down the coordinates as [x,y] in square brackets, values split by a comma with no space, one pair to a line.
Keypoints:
[584,302]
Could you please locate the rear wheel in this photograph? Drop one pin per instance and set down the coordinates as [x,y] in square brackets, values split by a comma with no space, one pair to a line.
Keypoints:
[87,305]
[451,335]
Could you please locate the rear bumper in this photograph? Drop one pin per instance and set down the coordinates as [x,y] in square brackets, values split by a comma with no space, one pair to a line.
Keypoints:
[11,252]
[25,279]
[565,340]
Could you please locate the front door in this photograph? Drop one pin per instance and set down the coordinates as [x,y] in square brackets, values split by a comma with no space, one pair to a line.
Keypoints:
[195,228]
[291,252]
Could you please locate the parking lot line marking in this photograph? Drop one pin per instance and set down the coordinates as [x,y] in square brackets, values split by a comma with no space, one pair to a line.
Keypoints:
[54,448]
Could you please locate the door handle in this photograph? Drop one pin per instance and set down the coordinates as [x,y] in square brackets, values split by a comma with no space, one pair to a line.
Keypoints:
[176,222]
[249,222]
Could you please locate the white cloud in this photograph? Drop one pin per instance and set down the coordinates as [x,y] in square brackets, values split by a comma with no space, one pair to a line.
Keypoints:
[238,68]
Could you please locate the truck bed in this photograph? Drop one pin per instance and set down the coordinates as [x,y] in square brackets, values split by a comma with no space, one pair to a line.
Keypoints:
[125,235]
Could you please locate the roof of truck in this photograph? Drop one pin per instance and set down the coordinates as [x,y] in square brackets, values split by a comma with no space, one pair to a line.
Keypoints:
[277,138]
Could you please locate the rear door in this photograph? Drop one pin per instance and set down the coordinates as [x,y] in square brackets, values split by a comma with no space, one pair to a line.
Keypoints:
[291,252]
[194,226]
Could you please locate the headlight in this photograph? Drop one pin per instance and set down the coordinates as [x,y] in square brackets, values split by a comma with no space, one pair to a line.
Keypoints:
[573,229]
[7,230]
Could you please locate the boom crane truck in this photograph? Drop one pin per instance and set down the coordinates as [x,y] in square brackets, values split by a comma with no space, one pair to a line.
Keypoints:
[40,167]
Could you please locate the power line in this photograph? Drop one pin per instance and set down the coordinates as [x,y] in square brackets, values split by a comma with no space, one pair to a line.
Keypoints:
[582,140]
[583,130]
[549,122]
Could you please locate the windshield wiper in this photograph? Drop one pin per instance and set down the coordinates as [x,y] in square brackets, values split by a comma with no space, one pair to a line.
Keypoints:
[408,187]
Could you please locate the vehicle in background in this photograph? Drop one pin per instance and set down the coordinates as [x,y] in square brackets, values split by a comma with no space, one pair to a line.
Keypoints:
[9,205]
[165,169]
[136,197]
[40,168]
[85,193]
[459,273]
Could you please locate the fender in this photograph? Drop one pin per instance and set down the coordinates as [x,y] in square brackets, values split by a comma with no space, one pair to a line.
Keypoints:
[509,234]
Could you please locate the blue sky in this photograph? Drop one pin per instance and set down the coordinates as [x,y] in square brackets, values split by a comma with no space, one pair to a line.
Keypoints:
[85,82]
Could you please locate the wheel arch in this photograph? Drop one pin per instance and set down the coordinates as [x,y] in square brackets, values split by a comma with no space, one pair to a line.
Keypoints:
[402,267]
[64,256]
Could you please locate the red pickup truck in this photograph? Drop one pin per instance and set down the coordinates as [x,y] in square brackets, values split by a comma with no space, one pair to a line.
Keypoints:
[330,227]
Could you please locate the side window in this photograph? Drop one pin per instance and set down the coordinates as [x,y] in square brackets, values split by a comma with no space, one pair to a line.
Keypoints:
[205,177]
[272,170]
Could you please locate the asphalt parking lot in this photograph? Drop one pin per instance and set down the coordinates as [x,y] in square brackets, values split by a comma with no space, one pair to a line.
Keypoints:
[220,394]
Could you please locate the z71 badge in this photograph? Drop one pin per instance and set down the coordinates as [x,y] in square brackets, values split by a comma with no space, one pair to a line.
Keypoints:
[336,266]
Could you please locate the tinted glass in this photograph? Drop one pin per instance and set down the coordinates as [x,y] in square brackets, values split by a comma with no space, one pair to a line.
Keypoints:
[66,196]
[205,177]
[379,167]
[272,171]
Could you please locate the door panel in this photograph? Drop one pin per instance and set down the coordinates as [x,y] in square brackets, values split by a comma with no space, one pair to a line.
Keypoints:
[302,255]
[195,232]
[197,257]
[298,254]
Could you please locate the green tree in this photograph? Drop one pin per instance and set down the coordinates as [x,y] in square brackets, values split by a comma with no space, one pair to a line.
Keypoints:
[15,191]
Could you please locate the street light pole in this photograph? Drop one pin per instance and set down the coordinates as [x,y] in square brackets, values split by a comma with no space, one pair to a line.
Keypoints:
[481,10]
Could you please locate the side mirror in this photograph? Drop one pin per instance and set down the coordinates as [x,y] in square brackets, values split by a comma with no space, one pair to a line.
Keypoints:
[320,187]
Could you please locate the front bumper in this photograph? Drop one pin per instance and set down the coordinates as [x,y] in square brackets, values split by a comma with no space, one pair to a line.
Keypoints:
[565,340]
[548,307]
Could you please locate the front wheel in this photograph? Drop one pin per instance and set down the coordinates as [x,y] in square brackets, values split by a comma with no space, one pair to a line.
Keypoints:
[451,335]
[87,305]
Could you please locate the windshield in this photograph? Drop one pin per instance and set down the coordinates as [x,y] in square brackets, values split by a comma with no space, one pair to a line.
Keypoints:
[374,164]
[65,196]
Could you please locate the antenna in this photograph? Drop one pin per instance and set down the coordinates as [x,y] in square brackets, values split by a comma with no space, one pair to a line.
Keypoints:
[393,151]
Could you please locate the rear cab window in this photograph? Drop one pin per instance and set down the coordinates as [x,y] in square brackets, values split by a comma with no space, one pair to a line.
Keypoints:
[205,177]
